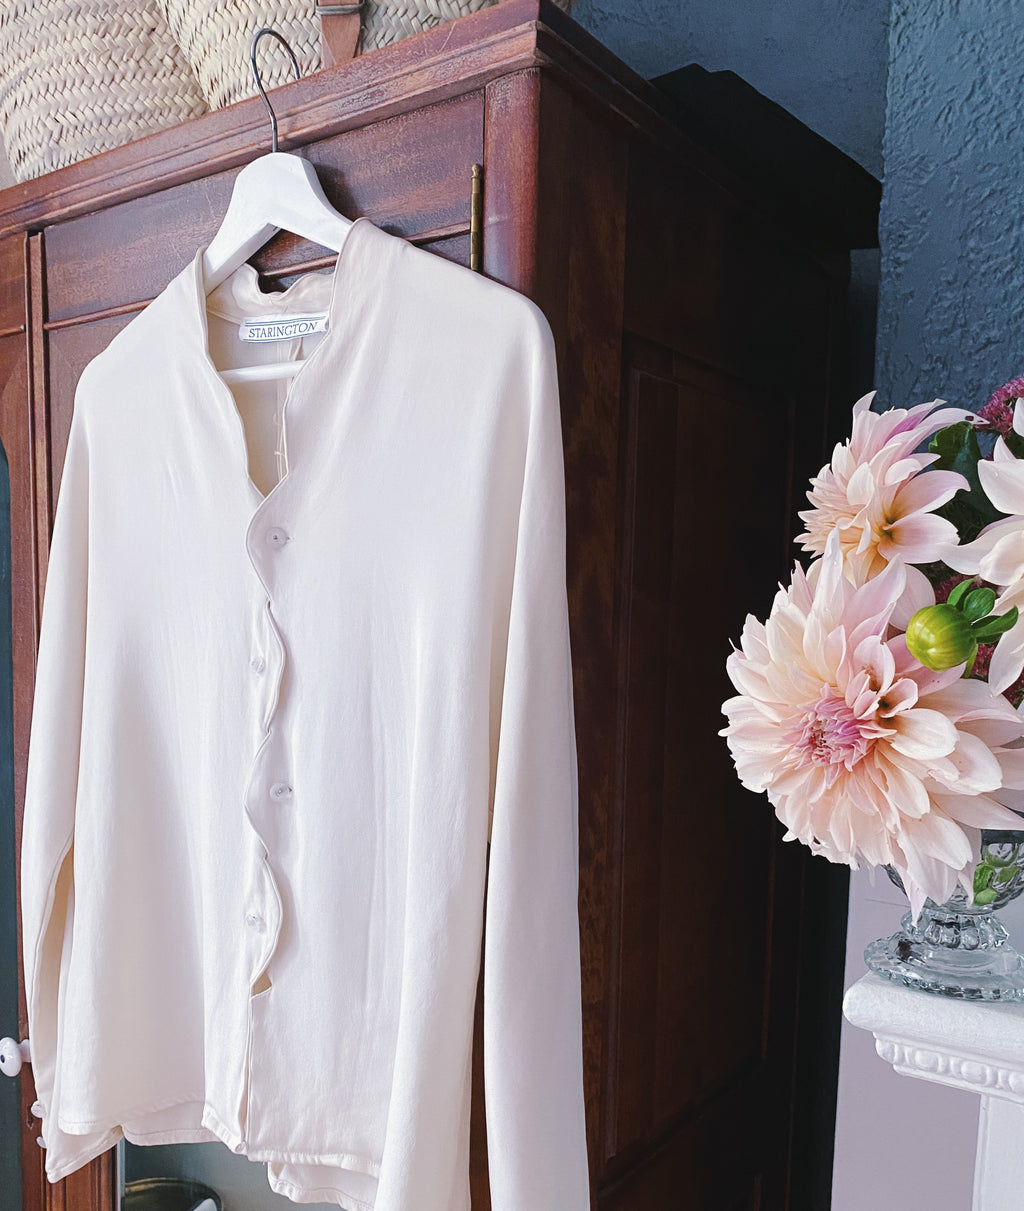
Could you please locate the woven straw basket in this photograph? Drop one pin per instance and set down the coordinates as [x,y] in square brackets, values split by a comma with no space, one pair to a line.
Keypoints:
[386,21]
[215,34]
[80,76]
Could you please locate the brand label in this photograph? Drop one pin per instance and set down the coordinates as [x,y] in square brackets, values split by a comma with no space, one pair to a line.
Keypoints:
[280,327]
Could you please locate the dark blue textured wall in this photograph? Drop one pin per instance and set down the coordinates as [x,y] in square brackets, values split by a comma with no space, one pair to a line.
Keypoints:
[823,60]
[952,231]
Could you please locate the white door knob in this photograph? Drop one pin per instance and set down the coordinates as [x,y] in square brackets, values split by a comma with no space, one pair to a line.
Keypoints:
[12,1055]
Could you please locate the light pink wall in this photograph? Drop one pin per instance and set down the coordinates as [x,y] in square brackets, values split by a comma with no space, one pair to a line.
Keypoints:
[901,1143]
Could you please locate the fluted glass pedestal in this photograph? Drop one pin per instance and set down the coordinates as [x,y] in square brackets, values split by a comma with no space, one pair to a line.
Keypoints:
[959,949]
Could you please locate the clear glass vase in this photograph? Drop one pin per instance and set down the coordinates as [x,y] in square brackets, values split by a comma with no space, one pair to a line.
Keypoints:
[960,949]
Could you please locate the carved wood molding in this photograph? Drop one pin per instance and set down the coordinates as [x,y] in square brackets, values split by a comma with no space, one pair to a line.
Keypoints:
[967,1045]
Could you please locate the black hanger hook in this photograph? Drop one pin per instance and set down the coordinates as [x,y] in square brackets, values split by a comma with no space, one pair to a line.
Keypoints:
[259,83]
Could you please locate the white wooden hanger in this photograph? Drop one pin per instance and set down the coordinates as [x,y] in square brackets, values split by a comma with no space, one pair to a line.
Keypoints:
[276,192]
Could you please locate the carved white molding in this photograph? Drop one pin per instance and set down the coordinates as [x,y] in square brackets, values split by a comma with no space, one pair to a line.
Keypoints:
[974,1073]
[973,1045]
[969,1045]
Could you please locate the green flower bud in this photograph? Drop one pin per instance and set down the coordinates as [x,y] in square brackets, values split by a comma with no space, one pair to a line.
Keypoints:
[939,636]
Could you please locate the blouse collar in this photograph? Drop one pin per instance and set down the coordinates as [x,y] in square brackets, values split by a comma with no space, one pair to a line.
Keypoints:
[243,284]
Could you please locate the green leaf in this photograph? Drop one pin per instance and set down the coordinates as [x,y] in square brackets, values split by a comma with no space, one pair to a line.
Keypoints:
[982,877]
[989,629]
[1006,874]
[984,897]
[950,443]
[978,604]
[958,450]
[960,592]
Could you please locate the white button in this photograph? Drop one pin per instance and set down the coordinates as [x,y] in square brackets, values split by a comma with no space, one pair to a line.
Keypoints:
[239,1148]
[40,1141]
[257,664]
[276,537]
[38,1109]
[280,792]
[254,920]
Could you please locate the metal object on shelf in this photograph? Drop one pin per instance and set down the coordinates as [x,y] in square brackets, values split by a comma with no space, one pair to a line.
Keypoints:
[168,1194]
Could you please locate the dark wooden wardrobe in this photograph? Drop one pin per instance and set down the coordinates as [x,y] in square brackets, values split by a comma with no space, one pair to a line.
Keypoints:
[700,344]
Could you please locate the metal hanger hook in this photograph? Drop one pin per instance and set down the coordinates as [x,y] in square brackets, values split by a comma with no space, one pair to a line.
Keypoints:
[259,83]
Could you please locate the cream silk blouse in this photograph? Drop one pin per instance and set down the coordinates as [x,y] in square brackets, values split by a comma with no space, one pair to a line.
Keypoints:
[299,639]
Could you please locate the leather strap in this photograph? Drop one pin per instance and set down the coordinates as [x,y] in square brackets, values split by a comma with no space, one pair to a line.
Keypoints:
[339,26]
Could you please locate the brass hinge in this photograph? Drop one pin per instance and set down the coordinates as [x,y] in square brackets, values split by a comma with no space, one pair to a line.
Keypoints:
[476,220]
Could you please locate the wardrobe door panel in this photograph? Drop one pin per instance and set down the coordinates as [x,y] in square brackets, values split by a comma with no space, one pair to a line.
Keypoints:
[711,278]
[729,371]
[687,1170]
[69,349]
[19,448]
[556,224]
[412,173]
[124,255]
[696,861]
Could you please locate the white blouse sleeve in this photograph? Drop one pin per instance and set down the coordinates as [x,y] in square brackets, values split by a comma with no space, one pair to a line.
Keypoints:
[533,1070]
[52,778]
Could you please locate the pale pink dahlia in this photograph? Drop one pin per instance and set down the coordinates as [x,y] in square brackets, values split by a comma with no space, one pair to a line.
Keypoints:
[865,754]
[873,492]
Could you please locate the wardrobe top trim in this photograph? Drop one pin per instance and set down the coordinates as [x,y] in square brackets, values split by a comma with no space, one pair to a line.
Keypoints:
[443,62]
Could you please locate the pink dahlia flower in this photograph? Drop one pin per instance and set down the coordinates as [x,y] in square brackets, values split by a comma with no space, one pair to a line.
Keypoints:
[865,754]
[873,492]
